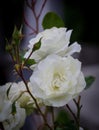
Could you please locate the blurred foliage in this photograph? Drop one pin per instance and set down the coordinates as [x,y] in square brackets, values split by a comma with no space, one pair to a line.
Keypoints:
[83,19]
[51,19]
[64,121]
[89,81]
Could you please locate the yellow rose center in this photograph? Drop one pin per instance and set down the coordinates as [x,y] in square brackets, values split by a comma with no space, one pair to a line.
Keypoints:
[58,78]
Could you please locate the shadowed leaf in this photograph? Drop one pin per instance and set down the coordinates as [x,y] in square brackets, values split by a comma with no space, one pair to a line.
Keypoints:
[89,80]
[51,19]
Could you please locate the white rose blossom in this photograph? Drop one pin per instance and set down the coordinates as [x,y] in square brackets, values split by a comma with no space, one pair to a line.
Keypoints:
[19,92]
[5,104]
[10,121]
[15,121]
[53,41]
[56,80]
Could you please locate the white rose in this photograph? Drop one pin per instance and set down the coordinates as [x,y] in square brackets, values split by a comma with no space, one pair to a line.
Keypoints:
[53,41]
[5,104]
[18,92]
[56,80]
[15,121]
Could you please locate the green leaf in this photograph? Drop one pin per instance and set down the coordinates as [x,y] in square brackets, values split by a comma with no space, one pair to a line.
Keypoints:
[30,62]
[8,90]
[29,109]
[89,80]
[64,121]
[13,108]
[51,19]
[9,48]
[63,117]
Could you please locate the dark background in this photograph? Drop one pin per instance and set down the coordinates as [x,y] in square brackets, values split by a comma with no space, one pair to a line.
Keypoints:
[83,17]
[11,14]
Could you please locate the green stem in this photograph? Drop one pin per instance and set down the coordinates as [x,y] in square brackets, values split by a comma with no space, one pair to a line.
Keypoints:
[43,116]
[78,106]
[17,54]
[27,58]
[52,112]
[73,114]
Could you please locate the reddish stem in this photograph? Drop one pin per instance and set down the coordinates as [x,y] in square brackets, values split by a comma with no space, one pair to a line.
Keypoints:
[25,21]
[42,7]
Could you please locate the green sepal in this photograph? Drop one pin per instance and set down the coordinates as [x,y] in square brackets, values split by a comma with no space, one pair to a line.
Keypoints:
[8,90]
[16,36]
[13,108]
[37,46]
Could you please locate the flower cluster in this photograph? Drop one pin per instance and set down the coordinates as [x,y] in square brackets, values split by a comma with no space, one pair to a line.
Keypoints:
[55,80]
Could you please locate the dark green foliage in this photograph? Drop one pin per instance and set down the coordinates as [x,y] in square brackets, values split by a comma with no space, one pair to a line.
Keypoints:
[64,122]
[51,19]
[89,80]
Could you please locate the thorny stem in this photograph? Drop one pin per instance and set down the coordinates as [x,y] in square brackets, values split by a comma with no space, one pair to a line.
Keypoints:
[36,18]
[77,116]
[20,73]
[73,114]
[42,8]
[52,110]
[28,57]
[19,70]
[17,54]
[34,1]
[32,7]
[77,103]
[28,4]
[25,21]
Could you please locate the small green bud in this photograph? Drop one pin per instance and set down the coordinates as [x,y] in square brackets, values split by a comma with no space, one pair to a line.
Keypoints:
[17,67]
[9,47]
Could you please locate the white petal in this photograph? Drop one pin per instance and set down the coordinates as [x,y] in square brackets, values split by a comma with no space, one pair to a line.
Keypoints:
[6,110]
[68,35]
[75,47]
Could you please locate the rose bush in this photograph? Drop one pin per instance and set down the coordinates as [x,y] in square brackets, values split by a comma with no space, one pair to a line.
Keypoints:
[56,80]
[55,76]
